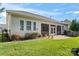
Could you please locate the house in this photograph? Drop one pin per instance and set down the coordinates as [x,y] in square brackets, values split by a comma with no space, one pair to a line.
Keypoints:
[2,26]
[22,22]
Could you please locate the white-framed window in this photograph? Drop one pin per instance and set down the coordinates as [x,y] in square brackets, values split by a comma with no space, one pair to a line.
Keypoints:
[28,25]
[34,26]
[21,25]
[51,30]
[54,29]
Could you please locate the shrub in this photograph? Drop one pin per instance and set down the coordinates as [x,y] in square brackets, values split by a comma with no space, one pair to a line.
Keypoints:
[65,32]
[15,37]
[6,37]
[31,35]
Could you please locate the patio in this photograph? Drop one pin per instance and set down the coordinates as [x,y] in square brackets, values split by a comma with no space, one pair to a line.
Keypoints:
[58,37]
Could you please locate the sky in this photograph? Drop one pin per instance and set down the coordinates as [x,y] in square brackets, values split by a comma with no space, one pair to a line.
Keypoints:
[57,11]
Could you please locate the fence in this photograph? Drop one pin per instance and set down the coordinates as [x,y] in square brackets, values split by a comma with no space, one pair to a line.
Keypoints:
[73,33]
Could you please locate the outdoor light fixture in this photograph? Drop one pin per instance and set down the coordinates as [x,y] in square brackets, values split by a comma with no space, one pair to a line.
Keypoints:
[75,51]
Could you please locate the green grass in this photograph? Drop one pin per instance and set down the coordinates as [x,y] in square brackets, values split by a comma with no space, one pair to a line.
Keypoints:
[47,47]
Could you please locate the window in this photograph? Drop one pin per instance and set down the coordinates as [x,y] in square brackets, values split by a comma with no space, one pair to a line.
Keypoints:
[21,25]
[54,30]
[34,25]
[28,25]
[51,30]
[44,27]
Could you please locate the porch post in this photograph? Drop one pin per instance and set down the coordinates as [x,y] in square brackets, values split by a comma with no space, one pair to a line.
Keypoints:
[61,29]
[49,30]
[56,29]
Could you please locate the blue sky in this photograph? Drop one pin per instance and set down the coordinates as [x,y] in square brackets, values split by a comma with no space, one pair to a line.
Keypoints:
[58,11]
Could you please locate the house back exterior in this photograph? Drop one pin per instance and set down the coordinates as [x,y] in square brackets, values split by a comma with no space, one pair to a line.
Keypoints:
[22,22]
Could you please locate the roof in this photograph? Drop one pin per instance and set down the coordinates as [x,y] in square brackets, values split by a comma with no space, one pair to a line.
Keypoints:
[39,17]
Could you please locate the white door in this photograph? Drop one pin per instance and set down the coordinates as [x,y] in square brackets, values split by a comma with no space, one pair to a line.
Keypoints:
[53,31]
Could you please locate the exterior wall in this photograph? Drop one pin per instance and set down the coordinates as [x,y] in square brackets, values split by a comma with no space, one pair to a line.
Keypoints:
[64,27]
[13,24]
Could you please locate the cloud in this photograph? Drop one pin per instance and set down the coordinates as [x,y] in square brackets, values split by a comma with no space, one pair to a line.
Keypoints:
[53,13]
[36,11]
[76,12]
[72,12]
[19,7]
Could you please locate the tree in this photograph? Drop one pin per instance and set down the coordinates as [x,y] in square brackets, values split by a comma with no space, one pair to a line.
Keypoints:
[2,9]
[74,25]
[77,26]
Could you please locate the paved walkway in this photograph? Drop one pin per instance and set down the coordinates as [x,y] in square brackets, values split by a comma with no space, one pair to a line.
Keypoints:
[60,37]
[55,37]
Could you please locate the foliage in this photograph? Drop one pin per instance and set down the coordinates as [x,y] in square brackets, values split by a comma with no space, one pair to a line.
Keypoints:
[31,35]
[74,25]
[2,10]
[77,26]
[5,35]
[15,37]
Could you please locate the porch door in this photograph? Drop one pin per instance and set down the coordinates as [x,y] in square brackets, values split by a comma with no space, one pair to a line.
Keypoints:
[53,30]
[58,30]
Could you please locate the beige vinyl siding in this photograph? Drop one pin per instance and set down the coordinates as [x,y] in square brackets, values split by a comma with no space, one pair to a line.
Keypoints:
[14,25]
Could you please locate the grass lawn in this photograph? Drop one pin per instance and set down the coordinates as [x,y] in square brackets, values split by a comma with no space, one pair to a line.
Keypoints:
[47,47]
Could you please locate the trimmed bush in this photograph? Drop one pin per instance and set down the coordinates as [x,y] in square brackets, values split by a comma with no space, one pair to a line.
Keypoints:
[31,35]
[65,32]
[15,37]
[6,37]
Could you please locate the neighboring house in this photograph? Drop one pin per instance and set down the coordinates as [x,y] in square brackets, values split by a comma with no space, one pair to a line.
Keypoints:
[2,26]
[22,22]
